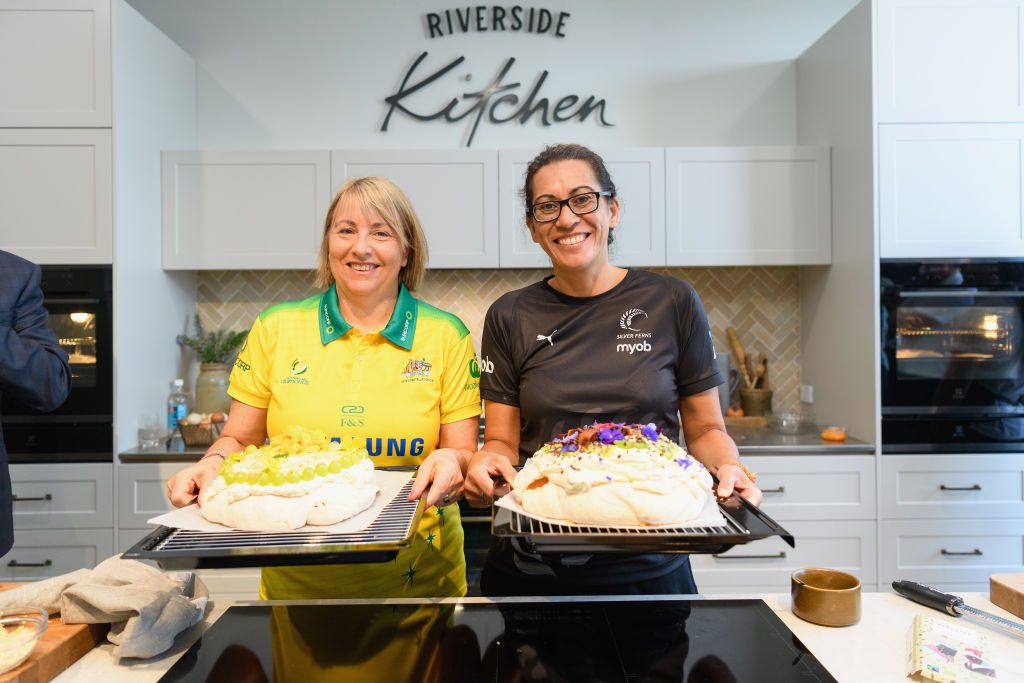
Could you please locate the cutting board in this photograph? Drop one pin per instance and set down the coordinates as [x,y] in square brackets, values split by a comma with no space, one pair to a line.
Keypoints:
[1007,591]
[60,646]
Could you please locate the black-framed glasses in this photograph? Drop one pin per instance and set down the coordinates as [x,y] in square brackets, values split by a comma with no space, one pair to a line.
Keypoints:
[579,204]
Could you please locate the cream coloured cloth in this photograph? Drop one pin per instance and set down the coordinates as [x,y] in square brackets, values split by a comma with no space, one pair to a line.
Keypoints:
[145,607]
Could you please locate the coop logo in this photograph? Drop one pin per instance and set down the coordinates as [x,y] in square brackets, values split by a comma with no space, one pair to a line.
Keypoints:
[626,319]
[353,416]
[242,365]
[297,368]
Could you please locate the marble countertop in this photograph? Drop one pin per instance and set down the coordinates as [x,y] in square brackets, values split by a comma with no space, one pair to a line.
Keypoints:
[872,650]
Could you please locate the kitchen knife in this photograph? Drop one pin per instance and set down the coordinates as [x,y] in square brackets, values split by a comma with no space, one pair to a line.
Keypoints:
[950,604]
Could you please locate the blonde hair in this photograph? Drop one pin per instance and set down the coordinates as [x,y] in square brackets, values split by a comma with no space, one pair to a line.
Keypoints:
[384,197]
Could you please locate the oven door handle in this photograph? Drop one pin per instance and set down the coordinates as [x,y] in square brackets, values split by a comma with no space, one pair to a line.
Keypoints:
[75,300]
[953,294]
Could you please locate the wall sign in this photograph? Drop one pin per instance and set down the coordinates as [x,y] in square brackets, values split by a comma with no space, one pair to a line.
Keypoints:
[504,99]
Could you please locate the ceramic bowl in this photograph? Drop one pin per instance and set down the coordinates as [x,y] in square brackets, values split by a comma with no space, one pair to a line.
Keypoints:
[825,596]
[20,628]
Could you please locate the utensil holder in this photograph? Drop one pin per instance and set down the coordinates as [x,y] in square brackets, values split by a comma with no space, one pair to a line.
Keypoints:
[756,401]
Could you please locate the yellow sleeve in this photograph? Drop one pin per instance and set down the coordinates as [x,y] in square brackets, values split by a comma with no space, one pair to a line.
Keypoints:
[460,388]
[250,378]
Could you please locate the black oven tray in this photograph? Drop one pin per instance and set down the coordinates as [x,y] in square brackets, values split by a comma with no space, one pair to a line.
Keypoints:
[390,532]
[744,522]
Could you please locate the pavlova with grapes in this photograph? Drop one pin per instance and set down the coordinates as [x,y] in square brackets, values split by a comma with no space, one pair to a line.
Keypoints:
[613,474]
[298,478]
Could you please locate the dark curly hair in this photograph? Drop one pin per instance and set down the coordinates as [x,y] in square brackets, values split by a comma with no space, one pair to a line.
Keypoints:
[568,152]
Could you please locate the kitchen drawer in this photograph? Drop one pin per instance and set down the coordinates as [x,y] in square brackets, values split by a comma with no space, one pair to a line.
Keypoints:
[815,488]
[955,486]
[950,551]
[142,492]
[64,496]
[845,545]
[41,554]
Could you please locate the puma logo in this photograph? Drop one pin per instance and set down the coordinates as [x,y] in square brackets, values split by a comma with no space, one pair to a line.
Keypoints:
[541,337]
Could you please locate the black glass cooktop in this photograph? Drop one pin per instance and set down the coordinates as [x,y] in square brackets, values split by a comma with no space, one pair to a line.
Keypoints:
[672,640]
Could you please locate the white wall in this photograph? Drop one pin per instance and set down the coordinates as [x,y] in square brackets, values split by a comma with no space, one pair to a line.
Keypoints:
[839,304]
[155,108]
[314,73]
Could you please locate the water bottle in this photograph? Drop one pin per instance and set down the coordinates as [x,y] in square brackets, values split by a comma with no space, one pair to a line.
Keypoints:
[177,409]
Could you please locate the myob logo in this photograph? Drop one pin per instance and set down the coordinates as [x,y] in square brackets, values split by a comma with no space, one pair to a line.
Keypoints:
[633,348]
[487,365]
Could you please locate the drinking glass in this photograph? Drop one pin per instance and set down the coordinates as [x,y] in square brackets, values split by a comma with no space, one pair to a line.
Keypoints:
[151,431]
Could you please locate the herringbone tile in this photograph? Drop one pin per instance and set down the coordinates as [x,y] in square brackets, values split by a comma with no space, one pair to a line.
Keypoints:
[761,304]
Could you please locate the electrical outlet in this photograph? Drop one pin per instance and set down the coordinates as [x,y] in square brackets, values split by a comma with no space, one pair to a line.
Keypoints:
[807,393]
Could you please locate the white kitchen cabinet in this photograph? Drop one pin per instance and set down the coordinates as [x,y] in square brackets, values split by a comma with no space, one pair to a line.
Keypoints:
[44,553]
[62,496]
[952,486]
[56,195]
[950,551]
[142,492]
[757,206]
[950,190]
[454,193]
[55,64]
[244,210]
[950,60]
[63,519]
[808,488]
[639,176]
[846,545]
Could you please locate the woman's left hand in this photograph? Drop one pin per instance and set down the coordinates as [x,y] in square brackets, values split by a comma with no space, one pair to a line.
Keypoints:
[439,479]
[731,477]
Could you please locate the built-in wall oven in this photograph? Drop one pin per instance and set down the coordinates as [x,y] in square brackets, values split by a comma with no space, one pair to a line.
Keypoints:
[78,300]
[952,356]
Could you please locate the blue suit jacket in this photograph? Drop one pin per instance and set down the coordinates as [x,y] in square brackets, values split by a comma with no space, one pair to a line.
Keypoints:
[33,367]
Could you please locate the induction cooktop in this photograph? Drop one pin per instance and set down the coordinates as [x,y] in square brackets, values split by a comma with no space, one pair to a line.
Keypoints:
[634,640]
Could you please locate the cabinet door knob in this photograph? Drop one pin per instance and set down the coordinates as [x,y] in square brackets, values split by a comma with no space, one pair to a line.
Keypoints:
[972,487]
[44,563]
[975,552]
[777,489]
[781,555]
[15,498]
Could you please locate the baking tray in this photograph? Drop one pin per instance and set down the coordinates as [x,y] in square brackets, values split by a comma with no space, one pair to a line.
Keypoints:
[744,522]
[389,533]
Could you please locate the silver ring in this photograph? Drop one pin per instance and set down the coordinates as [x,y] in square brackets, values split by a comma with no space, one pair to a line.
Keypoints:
[446,499]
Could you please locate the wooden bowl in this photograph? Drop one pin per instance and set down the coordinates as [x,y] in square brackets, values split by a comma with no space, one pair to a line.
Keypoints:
[825,596]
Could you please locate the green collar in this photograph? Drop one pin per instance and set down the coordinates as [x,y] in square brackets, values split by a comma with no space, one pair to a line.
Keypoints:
[400,330]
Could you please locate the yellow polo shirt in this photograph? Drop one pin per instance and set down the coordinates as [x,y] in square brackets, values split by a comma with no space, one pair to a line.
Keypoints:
[392,389]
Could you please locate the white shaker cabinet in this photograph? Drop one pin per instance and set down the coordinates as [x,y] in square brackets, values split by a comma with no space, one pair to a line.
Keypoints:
[244,209]
[639,176]
[950,60]
[756,206]
[56,195]
[55,64]
[454,193]
[950,190]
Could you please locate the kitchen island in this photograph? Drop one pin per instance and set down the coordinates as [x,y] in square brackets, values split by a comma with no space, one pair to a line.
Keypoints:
[872,650]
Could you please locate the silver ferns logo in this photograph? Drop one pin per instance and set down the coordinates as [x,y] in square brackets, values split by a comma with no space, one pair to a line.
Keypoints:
[626,320]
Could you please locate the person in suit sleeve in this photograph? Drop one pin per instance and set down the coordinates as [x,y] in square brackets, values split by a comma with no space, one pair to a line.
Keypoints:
[33,367]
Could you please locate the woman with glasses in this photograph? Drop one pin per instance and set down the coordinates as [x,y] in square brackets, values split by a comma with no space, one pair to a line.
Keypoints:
[592,342]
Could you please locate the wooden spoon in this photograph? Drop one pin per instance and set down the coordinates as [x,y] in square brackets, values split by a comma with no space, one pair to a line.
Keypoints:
[741,357]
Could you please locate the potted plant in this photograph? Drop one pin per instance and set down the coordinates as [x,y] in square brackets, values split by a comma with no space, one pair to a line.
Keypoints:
[215,350]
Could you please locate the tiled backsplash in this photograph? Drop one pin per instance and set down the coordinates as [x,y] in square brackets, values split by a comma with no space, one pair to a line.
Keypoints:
[762,304]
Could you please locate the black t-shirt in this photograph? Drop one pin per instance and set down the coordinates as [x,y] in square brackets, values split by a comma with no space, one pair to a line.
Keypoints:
[627,355]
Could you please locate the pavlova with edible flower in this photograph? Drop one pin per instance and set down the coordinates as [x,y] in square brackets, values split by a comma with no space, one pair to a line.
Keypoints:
[298,478]
[613,474]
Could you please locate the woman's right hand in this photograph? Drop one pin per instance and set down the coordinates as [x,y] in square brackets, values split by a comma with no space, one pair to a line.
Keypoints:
[185,486]
[485,469]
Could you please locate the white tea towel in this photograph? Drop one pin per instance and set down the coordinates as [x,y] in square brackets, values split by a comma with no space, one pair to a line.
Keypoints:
[145,607]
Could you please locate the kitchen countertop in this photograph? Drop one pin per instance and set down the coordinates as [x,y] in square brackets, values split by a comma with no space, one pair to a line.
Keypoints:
[749,440]
[872,650]
[765,441]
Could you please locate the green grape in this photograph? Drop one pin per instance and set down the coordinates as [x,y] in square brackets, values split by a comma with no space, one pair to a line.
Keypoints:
[321,469]
[294,477]
[277,478]
[251,448]
[334,467]
[308,474]
[264,479]
[252,478]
